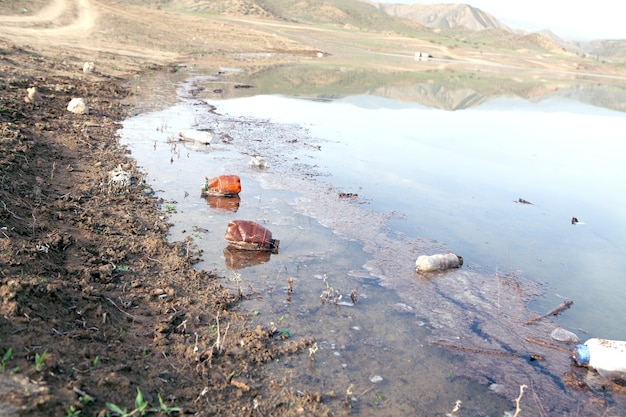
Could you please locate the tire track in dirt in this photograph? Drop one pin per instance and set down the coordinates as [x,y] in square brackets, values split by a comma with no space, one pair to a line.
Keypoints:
[60,19]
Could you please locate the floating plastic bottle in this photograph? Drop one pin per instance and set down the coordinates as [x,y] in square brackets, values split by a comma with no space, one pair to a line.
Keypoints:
[563,335]
[198,136]
[438,262]
[223,185]
[248,235]
[608,357]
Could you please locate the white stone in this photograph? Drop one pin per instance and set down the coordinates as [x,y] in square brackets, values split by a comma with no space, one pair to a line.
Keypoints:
[33,95]
[89,67]
[78,106]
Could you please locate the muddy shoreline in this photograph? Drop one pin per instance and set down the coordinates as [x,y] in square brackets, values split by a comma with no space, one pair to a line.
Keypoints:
[95,303]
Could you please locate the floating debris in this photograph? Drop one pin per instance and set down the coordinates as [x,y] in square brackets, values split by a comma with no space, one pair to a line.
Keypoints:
[563,335]
[197,136]
[223,186]
[258,162]
[608,357]
[248,235]
[438,262]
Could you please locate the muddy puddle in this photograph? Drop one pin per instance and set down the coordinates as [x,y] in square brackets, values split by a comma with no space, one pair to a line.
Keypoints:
[388,340]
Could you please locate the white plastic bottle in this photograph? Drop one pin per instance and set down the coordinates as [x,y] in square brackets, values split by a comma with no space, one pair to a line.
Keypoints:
[608,357]
[438,262]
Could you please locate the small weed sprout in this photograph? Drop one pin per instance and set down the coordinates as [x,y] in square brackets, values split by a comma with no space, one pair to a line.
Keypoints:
[140,407]
[95,362]
[40,360]
[165,409]
[85,399]
[72,411]
[5,358]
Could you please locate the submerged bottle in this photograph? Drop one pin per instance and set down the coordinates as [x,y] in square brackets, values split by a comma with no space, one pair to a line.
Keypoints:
[608,357]
[438,262]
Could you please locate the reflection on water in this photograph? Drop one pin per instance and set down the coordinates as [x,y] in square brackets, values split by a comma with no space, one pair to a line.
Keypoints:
[426,181]
[444,85]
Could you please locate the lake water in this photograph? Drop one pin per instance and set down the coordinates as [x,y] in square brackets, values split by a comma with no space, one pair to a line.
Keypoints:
[423,180]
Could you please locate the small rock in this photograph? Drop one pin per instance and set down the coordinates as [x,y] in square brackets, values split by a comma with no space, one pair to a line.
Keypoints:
[376,379]
[32,96]
[497,388]
[78,106]
[402,308]
[89,67]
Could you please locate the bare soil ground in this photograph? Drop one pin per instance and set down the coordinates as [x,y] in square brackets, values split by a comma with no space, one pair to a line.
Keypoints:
[95,303]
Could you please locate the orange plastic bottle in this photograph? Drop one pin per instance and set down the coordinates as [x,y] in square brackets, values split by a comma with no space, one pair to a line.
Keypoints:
[223,185]
[248,235]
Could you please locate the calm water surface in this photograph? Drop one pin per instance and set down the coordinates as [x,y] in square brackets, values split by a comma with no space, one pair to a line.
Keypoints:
[428,181]
[455,177]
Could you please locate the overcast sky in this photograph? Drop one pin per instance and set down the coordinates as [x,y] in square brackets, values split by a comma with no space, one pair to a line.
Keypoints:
[570,19]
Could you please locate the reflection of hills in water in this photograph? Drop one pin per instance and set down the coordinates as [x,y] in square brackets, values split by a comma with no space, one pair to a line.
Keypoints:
[438,88]
[435,95]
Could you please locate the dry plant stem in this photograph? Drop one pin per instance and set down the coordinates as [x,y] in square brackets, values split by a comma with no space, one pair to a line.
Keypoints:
[518,399]
[554,312]
[115,305]
[221,340]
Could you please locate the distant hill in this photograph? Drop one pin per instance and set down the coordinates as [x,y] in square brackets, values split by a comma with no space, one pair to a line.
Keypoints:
[444,16]
[348,13]
[409,20]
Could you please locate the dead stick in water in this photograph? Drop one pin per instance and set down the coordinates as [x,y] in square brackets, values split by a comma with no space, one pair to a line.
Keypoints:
[530,356]
[474,350]
[554,312]
[548,345]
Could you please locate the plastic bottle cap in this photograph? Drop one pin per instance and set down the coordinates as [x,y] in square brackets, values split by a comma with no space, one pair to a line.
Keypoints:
[582,354]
